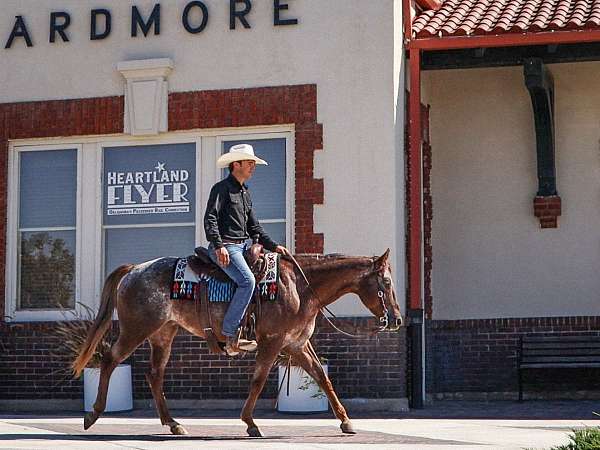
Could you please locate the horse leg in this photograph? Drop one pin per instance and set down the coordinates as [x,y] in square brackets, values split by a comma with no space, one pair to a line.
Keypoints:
[125,345]
[267,352]
[160,347]
[309,361]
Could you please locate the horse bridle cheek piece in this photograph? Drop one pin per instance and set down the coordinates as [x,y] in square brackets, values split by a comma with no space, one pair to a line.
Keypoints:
[383,320]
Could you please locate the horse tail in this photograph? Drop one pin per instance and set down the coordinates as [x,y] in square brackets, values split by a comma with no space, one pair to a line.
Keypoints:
[103,320]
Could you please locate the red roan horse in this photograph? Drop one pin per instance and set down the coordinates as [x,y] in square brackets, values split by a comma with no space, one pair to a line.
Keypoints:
[141,294]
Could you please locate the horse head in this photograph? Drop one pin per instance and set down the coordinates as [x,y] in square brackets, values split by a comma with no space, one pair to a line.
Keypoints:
[377,293]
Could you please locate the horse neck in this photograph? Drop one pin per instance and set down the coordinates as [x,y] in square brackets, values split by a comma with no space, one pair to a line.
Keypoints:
[332,276]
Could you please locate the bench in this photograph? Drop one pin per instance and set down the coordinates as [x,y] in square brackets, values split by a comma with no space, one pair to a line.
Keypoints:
[560,352]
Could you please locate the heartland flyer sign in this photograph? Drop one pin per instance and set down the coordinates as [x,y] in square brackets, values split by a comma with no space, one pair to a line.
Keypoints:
[158,192]
[149,184]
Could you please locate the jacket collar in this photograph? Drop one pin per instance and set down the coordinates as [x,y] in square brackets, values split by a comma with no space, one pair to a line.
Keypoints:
[234,182]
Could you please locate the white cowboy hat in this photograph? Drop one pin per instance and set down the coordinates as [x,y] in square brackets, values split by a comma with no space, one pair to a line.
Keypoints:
[239,152]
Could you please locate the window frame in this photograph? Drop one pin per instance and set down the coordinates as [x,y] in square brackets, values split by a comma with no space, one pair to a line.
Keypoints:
[13,242]
[89,277]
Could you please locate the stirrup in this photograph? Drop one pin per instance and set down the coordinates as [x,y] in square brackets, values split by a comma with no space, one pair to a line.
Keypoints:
[247,345]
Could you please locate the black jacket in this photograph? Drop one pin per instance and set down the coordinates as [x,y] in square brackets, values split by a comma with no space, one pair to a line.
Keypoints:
[229,215]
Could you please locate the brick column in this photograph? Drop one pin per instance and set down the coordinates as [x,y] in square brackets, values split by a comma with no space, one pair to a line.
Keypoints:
[547,209]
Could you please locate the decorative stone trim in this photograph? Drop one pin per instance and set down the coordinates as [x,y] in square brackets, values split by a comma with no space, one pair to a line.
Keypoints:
[146,95]
[547,209]
[282,105]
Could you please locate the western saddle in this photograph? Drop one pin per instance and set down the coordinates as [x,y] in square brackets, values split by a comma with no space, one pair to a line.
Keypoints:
[201,263]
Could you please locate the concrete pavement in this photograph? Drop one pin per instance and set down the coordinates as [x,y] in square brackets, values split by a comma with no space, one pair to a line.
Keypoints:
[445,425]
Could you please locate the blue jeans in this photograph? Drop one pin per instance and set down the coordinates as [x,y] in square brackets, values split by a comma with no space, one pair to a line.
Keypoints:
[242,276]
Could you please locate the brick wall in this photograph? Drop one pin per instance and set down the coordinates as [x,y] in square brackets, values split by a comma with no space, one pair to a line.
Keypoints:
[466,358]
[368,367]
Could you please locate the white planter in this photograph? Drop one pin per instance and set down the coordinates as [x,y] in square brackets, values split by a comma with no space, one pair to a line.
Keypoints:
[304,393]
[119,396]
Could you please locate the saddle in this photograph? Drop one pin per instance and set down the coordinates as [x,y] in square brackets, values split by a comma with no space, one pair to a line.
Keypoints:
[201,263]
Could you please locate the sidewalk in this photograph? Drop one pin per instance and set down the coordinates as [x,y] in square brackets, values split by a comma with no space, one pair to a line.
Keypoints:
[445,425]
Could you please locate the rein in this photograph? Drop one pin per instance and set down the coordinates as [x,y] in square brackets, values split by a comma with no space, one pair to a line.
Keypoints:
[381,294]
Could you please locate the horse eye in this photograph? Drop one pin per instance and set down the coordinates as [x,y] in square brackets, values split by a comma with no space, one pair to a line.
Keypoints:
[387,282]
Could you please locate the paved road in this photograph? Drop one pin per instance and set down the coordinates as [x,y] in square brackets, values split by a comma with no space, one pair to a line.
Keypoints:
[456,426]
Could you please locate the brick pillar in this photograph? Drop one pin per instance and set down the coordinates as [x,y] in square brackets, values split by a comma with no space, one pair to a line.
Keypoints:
[547,209]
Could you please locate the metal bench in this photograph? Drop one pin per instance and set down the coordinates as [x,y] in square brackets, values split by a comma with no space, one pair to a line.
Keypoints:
[560,352]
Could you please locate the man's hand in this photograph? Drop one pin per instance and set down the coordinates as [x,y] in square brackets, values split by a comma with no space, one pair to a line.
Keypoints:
[282,250]
[222,256]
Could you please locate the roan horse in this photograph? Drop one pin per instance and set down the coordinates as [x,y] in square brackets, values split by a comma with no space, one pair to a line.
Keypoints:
[141,294]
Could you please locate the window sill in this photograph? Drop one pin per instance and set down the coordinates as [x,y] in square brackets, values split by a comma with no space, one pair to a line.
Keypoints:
[42,315]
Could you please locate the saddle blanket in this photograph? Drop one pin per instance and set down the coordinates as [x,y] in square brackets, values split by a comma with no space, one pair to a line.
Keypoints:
[185,285]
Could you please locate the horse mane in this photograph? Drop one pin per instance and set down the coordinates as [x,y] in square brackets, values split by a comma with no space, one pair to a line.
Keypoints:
[311,260]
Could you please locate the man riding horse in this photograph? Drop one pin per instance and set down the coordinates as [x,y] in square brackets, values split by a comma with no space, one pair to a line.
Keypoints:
[141,294]
[229,221]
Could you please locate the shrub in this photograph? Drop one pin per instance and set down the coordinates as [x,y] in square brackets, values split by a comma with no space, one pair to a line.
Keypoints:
[585,439]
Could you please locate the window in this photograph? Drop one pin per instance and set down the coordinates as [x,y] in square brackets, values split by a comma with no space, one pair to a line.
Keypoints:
[149,202]
[47,208]
[79,207]
[268,185]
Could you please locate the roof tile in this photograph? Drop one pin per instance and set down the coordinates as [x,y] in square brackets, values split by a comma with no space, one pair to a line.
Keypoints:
[480,17]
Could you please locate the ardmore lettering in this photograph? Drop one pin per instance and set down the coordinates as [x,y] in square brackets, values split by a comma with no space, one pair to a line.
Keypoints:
[194,19]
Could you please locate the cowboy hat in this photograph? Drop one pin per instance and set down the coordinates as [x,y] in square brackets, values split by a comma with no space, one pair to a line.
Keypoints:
[239,152]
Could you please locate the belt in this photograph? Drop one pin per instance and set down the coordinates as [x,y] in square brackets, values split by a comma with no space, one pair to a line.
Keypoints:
[234,241]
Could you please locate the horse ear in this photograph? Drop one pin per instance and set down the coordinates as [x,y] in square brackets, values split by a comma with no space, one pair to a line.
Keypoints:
[380,262]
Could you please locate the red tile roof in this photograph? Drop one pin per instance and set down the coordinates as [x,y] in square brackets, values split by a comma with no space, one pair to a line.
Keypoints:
[486,17]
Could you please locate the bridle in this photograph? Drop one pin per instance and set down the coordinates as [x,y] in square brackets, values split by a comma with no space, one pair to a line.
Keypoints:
[381,294]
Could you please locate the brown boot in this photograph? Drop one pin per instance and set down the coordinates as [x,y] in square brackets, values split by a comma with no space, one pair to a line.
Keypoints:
[231,347]
[234,345]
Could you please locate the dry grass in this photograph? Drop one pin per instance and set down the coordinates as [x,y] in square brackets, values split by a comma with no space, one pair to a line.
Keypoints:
[71,335]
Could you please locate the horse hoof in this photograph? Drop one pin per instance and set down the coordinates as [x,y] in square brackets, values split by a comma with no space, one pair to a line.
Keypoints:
[347,428]
[90,419]
[178,430]
[254,432]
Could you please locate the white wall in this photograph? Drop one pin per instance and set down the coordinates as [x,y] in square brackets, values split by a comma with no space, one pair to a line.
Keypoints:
[490,257]
[345,47]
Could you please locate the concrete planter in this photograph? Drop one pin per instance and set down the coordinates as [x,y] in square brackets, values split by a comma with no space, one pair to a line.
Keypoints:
[304,393]
[119,396]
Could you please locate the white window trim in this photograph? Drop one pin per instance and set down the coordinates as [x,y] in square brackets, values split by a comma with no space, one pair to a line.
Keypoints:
[89,209]
[12,239]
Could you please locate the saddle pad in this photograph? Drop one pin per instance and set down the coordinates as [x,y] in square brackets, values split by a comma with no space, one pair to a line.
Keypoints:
[267,288]
[220,291]
[185,285]
[185,281]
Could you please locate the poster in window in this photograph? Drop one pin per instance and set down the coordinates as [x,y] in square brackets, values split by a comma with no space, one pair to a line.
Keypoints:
[151,184]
